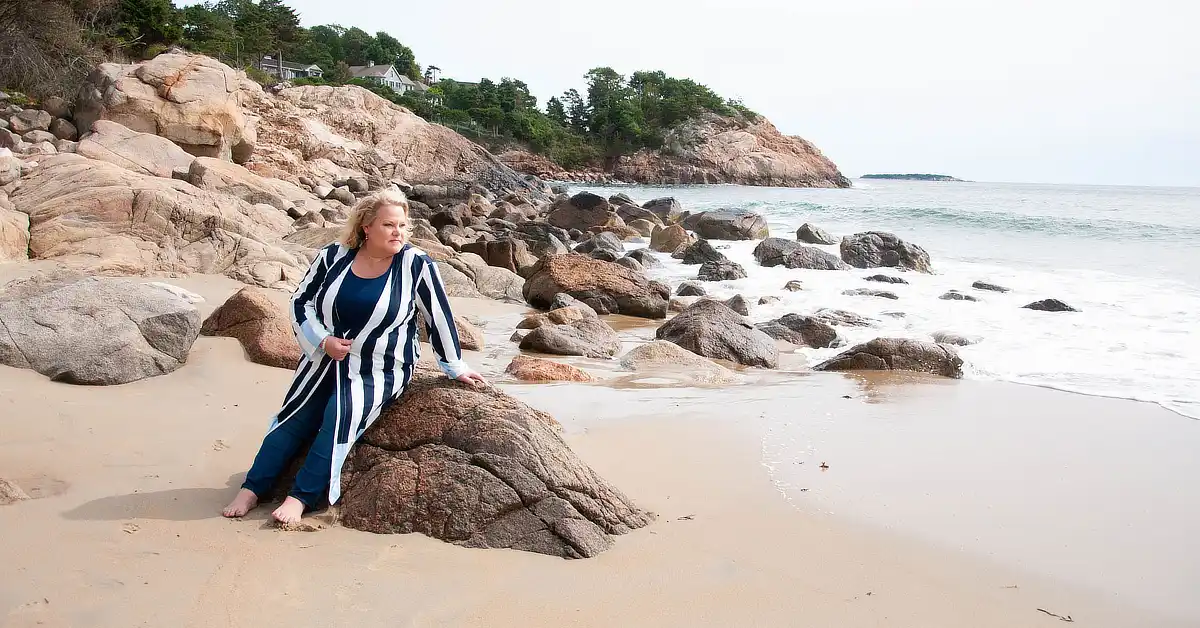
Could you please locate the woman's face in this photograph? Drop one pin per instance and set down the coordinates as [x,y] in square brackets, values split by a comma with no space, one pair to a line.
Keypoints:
[387,233]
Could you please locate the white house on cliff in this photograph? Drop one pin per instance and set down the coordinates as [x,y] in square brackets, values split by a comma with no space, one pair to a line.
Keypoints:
[386,75]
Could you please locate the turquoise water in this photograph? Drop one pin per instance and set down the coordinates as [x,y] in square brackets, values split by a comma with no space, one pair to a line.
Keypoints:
[1128,257]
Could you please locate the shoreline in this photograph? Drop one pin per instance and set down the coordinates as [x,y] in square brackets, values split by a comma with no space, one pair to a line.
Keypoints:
[130,506]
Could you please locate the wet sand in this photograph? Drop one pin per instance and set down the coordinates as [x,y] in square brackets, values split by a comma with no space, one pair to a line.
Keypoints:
[126,531]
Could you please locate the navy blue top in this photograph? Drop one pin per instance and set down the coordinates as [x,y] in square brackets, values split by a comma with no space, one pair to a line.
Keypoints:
[355,302]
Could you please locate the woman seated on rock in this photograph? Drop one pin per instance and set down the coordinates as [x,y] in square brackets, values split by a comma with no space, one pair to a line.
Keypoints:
[354,315]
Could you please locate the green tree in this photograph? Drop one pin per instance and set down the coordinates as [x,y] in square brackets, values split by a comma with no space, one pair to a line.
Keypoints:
[209,31]
[144,23]
[339,74]
[397,54]
[577,111]
[555,111]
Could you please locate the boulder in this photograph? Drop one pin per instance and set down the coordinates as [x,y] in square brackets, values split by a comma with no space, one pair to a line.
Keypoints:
[41,148]
[768,300]
[543,238]
[885,279]
[10,140]
[192,100]
[897,354]
[508,253]
[738,304]
[57,107]
[215,175]
[601,241]
[950,338]
[780,252]
[691,289]
[103,217]
[606,287]
[559,316]
[679,304]
[37,137]
[804,331]
[659,358]
[490,281]
[342,195]
[64,130]
[1050,305]
[873,249]
[732,225]
[30,120]
[263,328]
[721,271]
[983,285]
[475,467]
[95,331]
[316,237]
[582,211]
[955,295]
[588,336]
[563,299]
[630,212]
[14,233]
[10,169]
[645,258]
[709,328]
[470,338]
[793,286]
[813,234]
[621,198]
[644,228]
[529,369]
[701,252]
[667,209]
[670,239]
[142,153]
[67,146]
[631,264]
[842,317]
[868,292]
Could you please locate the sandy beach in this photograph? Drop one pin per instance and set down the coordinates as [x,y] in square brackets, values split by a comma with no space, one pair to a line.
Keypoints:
[128,482]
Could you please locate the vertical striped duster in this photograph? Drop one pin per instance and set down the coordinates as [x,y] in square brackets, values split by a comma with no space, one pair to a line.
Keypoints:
[383,355]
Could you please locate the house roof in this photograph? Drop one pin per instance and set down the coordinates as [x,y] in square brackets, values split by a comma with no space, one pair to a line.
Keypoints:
[289,65]
[365,71]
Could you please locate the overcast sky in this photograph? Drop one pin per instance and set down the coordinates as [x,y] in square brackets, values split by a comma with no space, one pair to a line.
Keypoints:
[1059,91]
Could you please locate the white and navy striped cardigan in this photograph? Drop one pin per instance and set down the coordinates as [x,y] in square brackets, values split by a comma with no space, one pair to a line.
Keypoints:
[382,356]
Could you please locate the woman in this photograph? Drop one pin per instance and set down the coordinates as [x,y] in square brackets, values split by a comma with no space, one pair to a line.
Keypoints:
[354,315]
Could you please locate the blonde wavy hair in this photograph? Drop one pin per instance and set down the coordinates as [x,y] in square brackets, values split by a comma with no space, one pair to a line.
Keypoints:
[364,214]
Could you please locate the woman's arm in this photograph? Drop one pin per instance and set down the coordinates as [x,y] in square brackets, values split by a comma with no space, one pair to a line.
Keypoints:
[310,333]
[439,320]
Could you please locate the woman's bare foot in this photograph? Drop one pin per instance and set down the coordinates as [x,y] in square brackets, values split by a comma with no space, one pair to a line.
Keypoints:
[289,512]
[245,501]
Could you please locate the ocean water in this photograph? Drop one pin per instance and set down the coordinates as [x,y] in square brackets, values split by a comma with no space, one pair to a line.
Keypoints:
[1127,257]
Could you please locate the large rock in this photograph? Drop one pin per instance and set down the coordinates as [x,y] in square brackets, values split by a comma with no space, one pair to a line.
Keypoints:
[64,130]
[263,328]
[192,100]
[558,316]
[1050,305]
[670,239]
[813,234]
[582,211]
[492,282]
[869,292]
[715,149]
[215,175]
[701,252]
[991,287]
[11,493]
[721,271]
[732,225]
[108,219]
[630,212]
[805,331]
[529,369]
[885,279]
[10,169]
[691,289]
[667,209]
[96,331]
[332,133]
[142,153]
[709,328]
[507,253]
[897,354]
[14,231]
[608,288]
[30,120]
[601,241]
[543,238]
[588,336]
[780,252]
[660,358]
[842,317]
[872,249]
[475,467]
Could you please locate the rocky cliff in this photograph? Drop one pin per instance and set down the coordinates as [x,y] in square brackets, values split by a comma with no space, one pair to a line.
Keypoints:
[709,149]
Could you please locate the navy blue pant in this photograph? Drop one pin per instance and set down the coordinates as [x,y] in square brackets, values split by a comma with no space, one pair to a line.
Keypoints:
[318,416]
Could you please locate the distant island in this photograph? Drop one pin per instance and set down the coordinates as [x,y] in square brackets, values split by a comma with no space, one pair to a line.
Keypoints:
[912,177]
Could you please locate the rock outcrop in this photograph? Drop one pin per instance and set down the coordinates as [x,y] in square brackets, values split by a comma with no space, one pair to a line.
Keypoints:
[107,219]
[715,149]
[529,369]
[710,329]
[731,225]
[143,153]
[606,287]
[14,231]
[897,354]
[872,249]
[813,234]
[95,331]
[262,328]
[475,467]
[789,254]
[192,100]
[582,211]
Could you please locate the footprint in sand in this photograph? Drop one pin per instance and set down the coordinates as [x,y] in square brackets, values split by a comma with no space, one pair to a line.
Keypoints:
[220,446]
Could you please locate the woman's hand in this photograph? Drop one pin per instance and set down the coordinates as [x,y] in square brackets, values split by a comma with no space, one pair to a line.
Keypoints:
[472,378]
[336,348]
